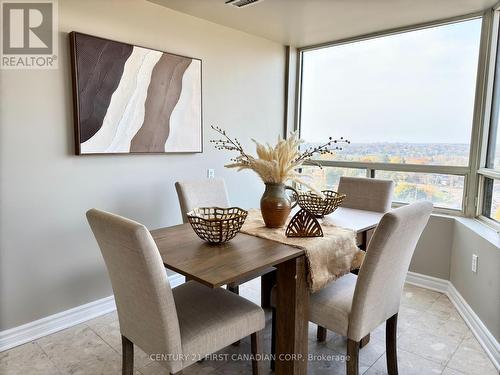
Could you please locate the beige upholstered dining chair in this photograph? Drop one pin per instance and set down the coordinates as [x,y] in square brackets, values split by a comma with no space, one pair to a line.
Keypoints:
[201,193]
[353,306]
[210,192]
[368,194]
[178,326]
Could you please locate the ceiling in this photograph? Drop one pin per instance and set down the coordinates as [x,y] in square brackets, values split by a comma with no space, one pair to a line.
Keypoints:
[306,22]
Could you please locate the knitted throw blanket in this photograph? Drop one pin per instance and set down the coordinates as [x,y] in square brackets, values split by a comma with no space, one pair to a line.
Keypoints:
[328,257]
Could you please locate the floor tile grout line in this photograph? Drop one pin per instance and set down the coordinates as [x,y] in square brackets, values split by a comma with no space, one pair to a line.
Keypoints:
[107,343]
[445,320]
[119,353]
[102,339]
[430,359]
[411,324]
[418,355]
[462,339]
[114,349]
[454,352]
[410,352]
[421,313]
[373,364]
[421,356]
[380,356]
[424,331]
[458,347]
[48,357]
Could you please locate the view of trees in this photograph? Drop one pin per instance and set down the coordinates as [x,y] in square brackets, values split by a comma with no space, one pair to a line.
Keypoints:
[495,204]
[443,190]
[406,153]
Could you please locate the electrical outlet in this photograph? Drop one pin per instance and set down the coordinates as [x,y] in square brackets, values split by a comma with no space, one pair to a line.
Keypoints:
[474,263]
[210,173]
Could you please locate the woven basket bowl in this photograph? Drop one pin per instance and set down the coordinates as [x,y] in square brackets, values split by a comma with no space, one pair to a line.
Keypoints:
[216,224]
[318,206]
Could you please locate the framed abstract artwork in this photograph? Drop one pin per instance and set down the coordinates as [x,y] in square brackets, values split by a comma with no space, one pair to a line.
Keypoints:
[130,99]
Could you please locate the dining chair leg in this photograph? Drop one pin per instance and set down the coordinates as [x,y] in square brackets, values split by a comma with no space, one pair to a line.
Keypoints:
[321,334]
[364,341]
[234,288]
[352,363]
[273,338]
[391,327]
[256,344]
[127,356]
[267,281]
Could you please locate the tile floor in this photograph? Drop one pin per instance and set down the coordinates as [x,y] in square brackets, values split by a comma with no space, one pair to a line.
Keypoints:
[433,339]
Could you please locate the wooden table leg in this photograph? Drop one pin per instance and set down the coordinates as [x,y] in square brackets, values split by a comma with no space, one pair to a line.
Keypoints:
[267,281]
[292,318]
[362,245]
[364,240]
[364,341]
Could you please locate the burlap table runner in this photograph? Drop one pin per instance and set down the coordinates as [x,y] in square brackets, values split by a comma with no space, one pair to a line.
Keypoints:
[328,257]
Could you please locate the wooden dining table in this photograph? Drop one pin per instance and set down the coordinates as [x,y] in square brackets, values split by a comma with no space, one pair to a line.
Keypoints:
[216,265]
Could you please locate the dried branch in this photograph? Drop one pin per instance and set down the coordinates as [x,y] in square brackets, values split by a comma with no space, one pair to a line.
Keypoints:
[277,163]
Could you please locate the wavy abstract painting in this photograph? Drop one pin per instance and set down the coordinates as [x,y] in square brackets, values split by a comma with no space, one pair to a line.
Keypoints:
[130,99]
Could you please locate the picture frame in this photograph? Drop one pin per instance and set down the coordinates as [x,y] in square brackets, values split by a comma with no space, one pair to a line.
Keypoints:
[129,99]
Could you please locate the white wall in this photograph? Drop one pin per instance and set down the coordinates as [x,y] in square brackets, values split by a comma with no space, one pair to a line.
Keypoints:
[480,289]
[433,251]
[49,261]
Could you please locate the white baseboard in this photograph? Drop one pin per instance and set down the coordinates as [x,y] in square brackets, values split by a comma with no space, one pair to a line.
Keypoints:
[57,322]
[54,323]
[482,334]
[65,319]
[428,282]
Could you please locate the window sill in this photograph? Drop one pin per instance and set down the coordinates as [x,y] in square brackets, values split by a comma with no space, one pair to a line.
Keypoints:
[479,227]
[482,229]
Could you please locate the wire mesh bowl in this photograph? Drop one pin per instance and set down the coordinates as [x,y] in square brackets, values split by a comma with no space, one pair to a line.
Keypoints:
[216,224]
[318,206]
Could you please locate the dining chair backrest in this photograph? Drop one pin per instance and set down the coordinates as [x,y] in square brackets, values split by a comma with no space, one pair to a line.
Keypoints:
[209,192]
[383,272]
[144,299]
[368,194]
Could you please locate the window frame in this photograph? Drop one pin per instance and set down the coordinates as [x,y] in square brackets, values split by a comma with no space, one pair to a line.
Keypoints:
[470,206]
[492,94]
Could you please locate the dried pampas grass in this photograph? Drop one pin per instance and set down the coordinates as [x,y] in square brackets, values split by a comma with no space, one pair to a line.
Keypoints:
[275,164]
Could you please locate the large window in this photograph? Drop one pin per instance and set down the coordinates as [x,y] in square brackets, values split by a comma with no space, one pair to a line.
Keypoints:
[406,103]
[327,178]
[444,191]
[491,205]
